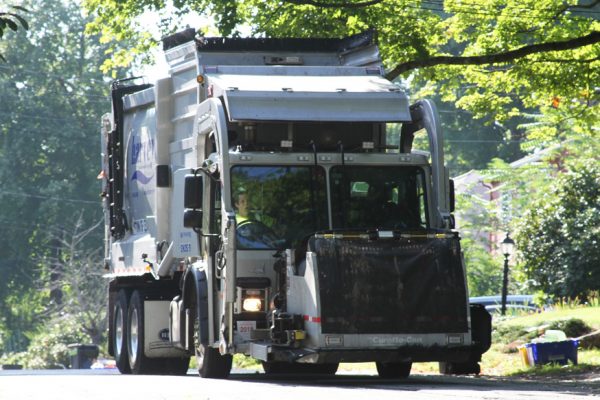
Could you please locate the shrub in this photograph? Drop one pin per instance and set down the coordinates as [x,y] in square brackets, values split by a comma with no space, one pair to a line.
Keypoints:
[572,327]
[48,349]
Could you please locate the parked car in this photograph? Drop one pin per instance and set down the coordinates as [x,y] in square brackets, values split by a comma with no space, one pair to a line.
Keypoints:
[514,303]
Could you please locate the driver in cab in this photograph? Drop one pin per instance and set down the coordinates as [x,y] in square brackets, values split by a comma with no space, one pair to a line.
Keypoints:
[241,206]
[251,233]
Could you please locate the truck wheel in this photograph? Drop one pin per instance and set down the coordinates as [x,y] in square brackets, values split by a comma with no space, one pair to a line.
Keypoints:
[393,370]
[275,367]
[138,362]
[119,336]
[460,368]
[211,364]
[176,366]
[323,369]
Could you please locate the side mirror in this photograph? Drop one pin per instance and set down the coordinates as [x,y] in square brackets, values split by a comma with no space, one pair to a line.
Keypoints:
[192,196]
[452,196]
[192,219]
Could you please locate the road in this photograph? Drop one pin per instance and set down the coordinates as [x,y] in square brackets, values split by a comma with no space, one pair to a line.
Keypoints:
[96,385]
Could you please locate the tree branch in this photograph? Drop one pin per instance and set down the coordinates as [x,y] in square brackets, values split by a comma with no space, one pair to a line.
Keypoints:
[334,5]
[589,5]
[507,56]
[567,60]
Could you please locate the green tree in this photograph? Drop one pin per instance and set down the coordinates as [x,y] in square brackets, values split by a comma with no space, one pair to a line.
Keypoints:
[11,20]
[494,58]
[559,234]
[78,277]
[53,95]
[476,221]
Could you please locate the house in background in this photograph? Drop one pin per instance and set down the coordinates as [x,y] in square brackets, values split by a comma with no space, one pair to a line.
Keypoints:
[491,205]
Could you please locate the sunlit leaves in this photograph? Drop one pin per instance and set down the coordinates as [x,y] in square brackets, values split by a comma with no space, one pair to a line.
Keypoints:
[13,20]
[413,30]
[559,235]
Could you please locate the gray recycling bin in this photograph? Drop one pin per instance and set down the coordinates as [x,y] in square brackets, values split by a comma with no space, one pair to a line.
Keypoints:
[82,355]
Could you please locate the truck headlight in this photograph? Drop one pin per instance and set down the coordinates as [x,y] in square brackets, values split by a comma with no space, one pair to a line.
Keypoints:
[252,300]
[252,304]
[252,295]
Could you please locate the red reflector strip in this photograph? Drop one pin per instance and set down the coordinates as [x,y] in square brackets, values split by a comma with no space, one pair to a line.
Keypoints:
[316,320]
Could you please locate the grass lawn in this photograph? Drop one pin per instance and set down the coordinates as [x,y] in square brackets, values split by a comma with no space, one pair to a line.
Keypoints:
[591,315]
[503,358]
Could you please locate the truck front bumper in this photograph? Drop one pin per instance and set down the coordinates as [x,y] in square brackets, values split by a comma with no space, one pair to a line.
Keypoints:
[414,353]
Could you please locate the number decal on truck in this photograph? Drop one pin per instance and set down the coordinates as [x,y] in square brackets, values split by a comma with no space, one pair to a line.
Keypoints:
[140,225]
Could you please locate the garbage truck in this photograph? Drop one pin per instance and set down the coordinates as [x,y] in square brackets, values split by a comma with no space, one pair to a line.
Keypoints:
[264,198]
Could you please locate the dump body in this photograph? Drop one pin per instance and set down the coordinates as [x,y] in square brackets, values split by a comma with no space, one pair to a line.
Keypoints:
[264,198]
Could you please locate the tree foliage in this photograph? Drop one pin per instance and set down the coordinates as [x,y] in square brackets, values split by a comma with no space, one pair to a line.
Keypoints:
[495,58]
[559,235]
[52,98]
[11,20]
[74,278]
[476,221]
[49,345]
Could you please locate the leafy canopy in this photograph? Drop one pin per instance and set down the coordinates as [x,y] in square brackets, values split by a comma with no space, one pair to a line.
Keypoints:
[52,98]
[526,54]
[11,20]
[559,235]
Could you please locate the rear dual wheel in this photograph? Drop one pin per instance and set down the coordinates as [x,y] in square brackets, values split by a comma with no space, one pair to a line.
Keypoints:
[128,340]
[119,336]
[138,362]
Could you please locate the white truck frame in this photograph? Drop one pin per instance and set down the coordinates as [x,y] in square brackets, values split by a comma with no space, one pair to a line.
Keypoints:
[183,282]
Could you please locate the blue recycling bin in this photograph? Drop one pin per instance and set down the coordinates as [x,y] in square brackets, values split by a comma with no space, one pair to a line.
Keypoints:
[553,352]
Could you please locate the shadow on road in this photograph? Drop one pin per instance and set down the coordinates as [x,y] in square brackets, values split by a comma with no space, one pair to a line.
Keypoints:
[430,382]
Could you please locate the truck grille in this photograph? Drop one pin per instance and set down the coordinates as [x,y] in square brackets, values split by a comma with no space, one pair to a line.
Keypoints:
[391,285]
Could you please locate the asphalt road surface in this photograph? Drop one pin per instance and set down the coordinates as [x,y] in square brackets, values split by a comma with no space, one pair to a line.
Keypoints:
[110,385]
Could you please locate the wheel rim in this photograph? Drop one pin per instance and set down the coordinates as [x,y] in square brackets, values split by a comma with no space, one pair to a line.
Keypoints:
[133,336]
[199,356]
[197,346]
[119,323]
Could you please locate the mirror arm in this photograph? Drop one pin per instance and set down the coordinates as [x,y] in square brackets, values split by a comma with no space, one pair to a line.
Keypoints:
[205,172]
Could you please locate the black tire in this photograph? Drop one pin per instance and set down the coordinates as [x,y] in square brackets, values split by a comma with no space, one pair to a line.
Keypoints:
[138,362]
[210,363]
[276,368]
[460,368]
[119,332]
[481,330]
[393,370]
[176,366]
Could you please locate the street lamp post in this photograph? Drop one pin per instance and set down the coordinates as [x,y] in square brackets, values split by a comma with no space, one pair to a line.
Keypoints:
[506,247]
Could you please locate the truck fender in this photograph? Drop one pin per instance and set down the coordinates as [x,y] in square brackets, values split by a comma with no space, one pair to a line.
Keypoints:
[195,287]
[481,328]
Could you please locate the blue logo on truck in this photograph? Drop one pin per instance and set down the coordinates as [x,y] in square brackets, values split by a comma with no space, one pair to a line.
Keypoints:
[139,176]
[142,155]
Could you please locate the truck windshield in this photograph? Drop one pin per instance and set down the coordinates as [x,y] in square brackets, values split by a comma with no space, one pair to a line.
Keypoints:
[378,198]
[277,206]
